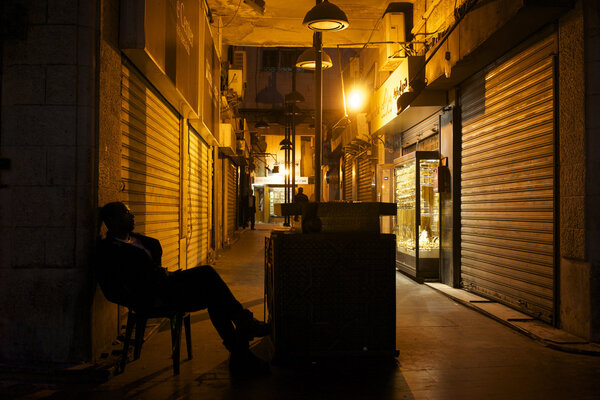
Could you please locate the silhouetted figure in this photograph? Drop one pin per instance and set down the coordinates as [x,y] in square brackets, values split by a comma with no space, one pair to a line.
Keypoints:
[311,223]
[301,199]
[129,270]
[252,209]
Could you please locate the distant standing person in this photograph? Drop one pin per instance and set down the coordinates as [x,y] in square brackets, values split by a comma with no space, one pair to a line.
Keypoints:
[252,209]
[300,198]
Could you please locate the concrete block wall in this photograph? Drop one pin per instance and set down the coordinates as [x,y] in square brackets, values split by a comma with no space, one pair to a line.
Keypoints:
[591,13]
[574,268]
[46,218]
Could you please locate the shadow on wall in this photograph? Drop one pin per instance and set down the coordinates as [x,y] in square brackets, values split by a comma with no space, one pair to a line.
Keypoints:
[269,94]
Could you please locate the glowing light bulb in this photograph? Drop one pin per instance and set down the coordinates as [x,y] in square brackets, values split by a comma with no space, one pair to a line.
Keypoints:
[356,99]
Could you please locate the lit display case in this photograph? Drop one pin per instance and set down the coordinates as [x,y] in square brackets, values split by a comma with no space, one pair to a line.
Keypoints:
[417,225]
[276,195]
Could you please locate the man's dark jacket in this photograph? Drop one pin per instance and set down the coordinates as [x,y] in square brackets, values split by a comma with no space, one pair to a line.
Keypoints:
[128,275]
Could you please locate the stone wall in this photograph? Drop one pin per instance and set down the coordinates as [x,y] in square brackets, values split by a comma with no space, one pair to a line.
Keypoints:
[574,268]
[104,314]
[46,211]
[592,112]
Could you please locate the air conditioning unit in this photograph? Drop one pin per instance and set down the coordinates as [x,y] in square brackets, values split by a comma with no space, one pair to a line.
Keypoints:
[357,130]
[391,55]
[235,81]
[352,69]
[238,72]
[227,139]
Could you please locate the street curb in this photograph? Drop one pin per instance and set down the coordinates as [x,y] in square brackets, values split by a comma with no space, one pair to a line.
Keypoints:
[583,347]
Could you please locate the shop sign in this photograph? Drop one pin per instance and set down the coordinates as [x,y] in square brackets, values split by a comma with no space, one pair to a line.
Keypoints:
[409,73]
[278,179]
[384,104]
[212,79]
[163,39]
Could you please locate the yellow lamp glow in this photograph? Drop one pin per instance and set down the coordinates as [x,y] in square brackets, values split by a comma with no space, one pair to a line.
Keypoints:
[356,99]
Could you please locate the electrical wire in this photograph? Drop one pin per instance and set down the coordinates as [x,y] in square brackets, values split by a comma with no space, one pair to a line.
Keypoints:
[232,18]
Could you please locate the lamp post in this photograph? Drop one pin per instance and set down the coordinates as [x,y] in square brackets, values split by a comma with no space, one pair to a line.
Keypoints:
[318,44]
[323,17]
[291,99]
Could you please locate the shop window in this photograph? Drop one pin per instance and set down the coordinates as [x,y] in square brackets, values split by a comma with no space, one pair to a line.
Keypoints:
[280,60]
[270,60]
[288,60]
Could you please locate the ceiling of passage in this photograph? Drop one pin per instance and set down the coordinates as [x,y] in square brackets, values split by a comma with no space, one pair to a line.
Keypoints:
[281,23]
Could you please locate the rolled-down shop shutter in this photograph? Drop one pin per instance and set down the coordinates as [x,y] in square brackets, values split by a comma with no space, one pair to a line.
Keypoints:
[365,179]
[348,161]
[508,181]
[199,207]
[150,162]
[422,136]
[231,197]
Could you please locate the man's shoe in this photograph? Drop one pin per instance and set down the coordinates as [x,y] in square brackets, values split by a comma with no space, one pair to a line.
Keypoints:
[244,364]
[250,327]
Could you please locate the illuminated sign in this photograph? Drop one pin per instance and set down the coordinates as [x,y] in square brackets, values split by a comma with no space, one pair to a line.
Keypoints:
[384,107]
[384,104]
[278,179]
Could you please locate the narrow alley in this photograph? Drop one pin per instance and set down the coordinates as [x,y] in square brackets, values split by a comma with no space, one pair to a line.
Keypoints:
[447,351]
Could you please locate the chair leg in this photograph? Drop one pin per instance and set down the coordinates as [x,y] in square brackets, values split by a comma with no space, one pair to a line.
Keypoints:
[130,322]
[176,321]
[140,328]
[188,334]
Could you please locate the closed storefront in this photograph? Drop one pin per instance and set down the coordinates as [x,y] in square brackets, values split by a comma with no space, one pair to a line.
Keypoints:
[199,207]
[422,136]
[150,162]
[508,180]
[232,197]
[348,176]
[365,178]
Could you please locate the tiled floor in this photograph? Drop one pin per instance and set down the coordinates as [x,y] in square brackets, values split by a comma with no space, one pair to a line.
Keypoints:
[447,351]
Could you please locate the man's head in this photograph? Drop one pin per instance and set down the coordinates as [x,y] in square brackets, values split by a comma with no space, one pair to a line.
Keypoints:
[300,190]
[117,218]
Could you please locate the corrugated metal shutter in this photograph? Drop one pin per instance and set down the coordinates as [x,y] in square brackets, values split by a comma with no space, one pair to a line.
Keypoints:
[231,197]
[508,181]
[199,181]
[150,162]
[348,161]
[421,131]
[365,179]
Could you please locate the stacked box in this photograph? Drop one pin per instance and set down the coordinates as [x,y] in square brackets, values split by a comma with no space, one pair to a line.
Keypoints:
[331,294]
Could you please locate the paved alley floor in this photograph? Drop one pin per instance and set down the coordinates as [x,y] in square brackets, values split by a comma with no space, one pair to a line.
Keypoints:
[447,351]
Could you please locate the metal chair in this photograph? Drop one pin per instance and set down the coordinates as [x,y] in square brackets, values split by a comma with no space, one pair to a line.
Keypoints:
[139,320]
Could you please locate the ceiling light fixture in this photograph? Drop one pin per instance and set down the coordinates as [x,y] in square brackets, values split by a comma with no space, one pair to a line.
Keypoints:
[326,17]
[294,97]
[262,124]
[308,60]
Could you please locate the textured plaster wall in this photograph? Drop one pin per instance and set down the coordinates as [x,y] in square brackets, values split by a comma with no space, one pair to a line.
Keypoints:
[592,202]
[46,218]
[574,268]
[104,316]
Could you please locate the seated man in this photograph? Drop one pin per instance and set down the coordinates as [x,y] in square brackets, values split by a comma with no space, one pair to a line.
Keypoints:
[130,273]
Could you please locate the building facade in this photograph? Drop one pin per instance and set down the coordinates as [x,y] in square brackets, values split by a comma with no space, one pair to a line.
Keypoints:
[487,131]
[490,114]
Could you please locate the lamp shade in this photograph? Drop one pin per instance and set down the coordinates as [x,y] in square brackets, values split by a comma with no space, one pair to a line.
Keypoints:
[326,17]
[285,142]
[262,124]
[308,60]
[294,97]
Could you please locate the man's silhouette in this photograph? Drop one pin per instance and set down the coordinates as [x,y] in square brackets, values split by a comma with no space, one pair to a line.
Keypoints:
[130,273]
[301,199]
